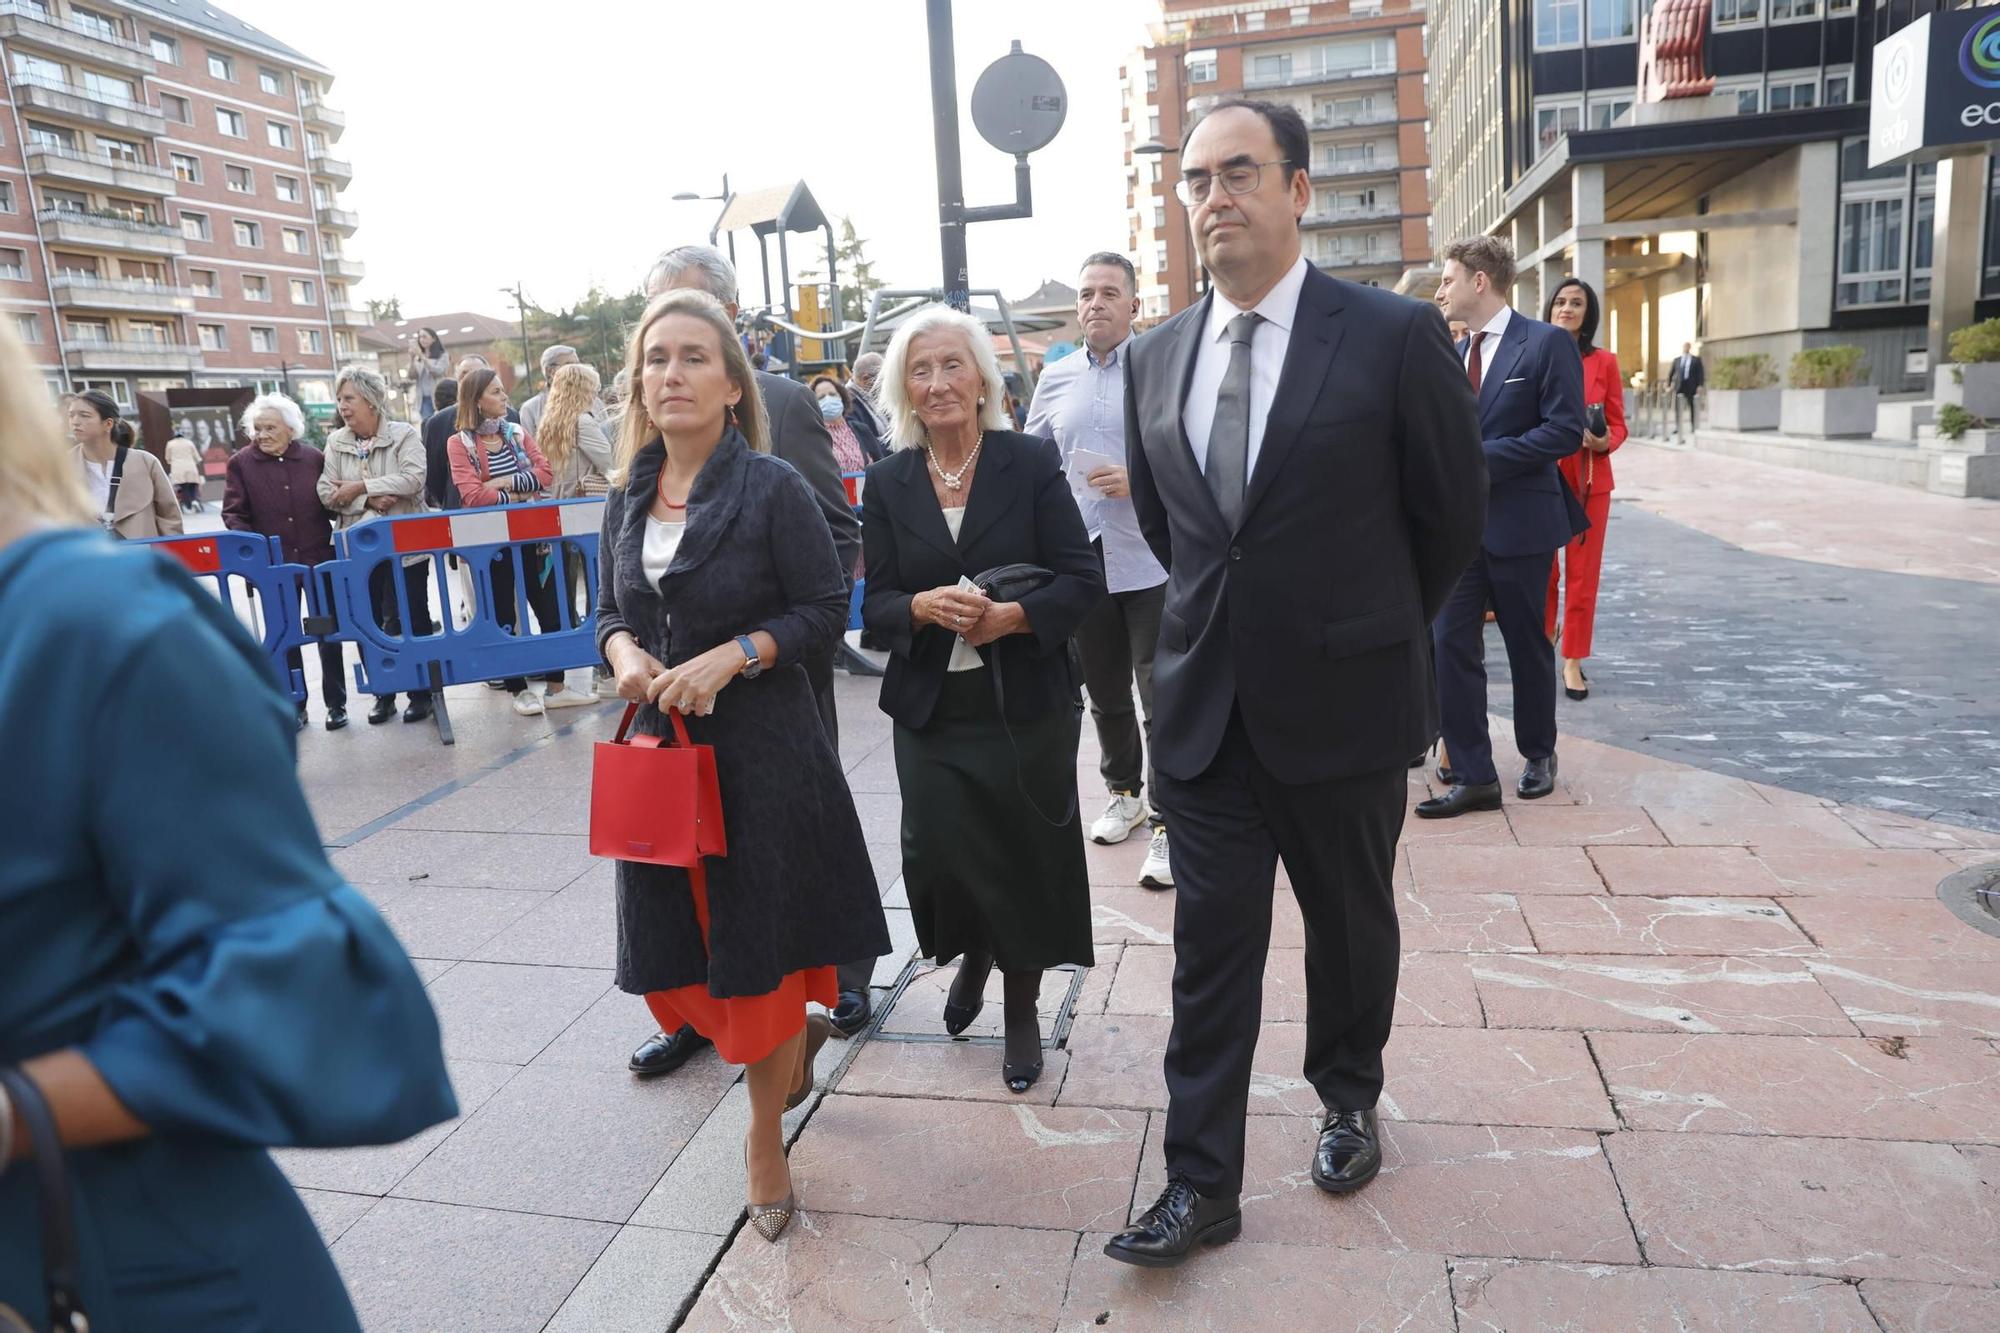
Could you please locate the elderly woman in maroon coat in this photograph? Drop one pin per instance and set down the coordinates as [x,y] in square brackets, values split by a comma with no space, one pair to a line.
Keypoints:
[273,488]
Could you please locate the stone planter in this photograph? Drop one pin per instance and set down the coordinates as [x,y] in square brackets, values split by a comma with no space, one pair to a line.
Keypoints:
[1829,414]
[1974,387]
[1744,409]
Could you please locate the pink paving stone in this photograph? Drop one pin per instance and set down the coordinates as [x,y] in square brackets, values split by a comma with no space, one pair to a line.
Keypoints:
[1887,829]
[1096,988]
[1740,926]
[1914,997]
[1855,927]
[1462,923]
[1801,828]
[1919,1307]
[1443,868]
[831,1273]
[1244,1285]
[1871,872]
[1681,994]
[1481,829]
[1069,1168]
[1977,856]
[1504,1296]
[1942,1090]
[1118,864]
[1444,1189]
[1479,1076]
[1583,825]
[1144,984]
[1843,1208]
[1118,1060]
[1436,990]
[1129,914]
[1705,871]
[1782,796]
[953,1070]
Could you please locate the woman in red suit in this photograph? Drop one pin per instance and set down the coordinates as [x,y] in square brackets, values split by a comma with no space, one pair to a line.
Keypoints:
[1573,306]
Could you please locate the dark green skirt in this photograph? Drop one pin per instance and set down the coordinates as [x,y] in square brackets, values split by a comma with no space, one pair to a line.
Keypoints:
[982,867]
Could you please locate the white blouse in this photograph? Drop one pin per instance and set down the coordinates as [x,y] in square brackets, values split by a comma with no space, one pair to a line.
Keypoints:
[662,540]
[964,657]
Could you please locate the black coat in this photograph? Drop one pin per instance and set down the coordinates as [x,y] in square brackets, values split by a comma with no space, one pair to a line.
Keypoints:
[1020,511]
[862,422]
[1364,507]
[799,436]
[797,889]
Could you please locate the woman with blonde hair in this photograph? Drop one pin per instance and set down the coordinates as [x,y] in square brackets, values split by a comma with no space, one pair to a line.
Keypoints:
[179,995]
[705,531]
[574,441]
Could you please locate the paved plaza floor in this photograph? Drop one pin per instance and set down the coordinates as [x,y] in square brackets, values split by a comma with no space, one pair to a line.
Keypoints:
[1682,1047]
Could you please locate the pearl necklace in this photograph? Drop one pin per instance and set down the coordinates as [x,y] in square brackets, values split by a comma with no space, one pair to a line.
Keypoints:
[955,481]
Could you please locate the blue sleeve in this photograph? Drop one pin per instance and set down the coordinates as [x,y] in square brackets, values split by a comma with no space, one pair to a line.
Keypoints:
[1559,432]
[271,1004]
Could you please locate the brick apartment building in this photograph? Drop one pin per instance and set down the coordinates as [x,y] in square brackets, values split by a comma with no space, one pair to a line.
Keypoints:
[170,201]
[1355,69]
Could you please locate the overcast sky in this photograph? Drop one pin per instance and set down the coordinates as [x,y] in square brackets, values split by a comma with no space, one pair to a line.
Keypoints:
[586,117]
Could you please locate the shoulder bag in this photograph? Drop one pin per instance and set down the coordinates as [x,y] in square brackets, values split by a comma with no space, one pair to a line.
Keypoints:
[61,1276]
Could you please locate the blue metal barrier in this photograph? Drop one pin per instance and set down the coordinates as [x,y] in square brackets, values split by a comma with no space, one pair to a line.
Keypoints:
[278,592]
[852,661]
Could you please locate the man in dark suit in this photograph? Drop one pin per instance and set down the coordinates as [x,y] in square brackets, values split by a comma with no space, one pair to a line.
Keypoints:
[1304,458]
[1686,379]
[440,492]
[799,436]
[1529,381]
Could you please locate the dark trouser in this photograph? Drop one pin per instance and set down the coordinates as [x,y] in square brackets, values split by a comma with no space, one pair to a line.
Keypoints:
[190,494]
[382,601]
[819,670]
[1338,841]
[1680,398]
[542,600]
[1517,587]
[1116,643]
[332,681]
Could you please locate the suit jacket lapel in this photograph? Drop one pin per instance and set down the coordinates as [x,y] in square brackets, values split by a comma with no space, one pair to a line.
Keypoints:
[908,484]
[993,494]
[1503,361]
[1180,357]
[1316,333]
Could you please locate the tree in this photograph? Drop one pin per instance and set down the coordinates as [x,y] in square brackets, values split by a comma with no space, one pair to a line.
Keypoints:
[381,310]
[857,274]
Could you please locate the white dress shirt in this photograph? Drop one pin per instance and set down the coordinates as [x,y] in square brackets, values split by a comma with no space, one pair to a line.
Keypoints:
[1080,404]
[1268,345]
[1495,327]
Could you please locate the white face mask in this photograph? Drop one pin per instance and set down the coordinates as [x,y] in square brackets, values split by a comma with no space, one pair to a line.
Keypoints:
[829,407]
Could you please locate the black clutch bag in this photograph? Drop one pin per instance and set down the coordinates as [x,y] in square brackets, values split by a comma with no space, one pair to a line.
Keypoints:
[1593,418]
[1010,583]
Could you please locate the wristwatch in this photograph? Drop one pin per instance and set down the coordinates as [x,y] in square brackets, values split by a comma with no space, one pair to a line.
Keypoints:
[753,666]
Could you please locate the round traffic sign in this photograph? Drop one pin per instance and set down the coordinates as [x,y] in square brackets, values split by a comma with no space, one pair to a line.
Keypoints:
[1019,103]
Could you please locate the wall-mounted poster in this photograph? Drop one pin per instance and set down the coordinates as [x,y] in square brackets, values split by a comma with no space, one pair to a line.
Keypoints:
[208,417]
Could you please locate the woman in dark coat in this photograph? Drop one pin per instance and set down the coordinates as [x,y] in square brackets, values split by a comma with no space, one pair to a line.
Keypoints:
[718,576]
[992,846]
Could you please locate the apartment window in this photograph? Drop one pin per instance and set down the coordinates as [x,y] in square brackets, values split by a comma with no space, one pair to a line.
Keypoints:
[1553,121]
[249,234]
[221,67]
[322,195]
[214,337]
[1152,80]
[96,24]
[177,109]
[1840,6]
[58,137]
[1871,252]
[1159,216]
[107,88]
[1748,95]
[1301,14]
[1839,87]
[87,330]
[231,123]
[336,295]
[256,287]
[1201,67]
[311,342]
[278,133]
[1790,93]
[295,241]
[118,150]
[1605,111]
[194,226]
[1784,11]
[1612,21]
[34,69]
[343,343]
[67,265]
[239,179]
[315,143]
[153,331]
[204,282]
[302,291]
[132,209]
[29,327]
[263,340]
[1254,22]
[187,167]
[286,188]
[6,196]
[272,82]
[65,201]
[1558,23]
[166,49]
[1733,13]
[14,265]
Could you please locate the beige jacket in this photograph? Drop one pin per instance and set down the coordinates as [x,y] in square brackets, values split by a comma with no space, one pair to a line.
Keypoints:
[392,465]
[183,462]
[145,505]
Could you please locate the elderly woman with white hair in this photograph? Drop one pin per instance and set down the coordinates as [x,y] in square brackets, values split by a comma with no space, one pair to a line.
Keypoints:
[374,469]
[979,573]
[273,488]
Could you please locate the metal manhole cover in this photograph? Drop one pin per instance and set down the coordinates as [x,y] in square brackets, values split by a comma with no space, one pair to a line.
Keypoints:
[1055,1035]
[1974,897]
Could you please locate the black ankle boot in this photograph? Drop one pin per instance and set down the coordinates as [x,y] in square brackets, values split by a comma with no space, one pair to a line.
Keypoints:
[1021,1061]
[968,991]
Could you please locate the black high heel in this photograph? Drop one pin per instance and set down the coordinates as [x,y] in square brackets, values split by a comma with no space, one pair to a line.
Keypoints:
[1023,992]
[1583,693]
[973,970]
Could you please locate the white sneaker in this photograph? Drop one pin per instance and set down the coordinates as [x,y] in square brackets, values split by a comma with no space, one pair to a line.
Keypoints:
[562,696]
[1124,814]
[1156,873]
[528,704]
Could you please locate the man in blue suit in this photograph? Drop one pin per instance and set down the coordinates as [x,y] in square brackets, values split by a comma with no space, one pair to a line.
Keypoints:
[1529,381]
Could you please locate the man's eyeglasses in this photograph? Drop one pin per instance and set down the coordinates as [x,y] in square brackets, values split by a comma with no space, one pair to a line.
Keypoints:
[1239,179]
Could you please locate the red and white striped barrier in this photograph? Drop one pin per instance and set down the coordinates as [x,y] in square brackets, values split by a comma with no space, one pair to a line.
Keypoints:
[488,527]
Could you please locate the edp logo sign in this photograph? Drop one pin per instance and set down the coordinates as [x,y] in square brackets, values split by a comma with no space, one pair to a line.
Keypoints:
[1936,86]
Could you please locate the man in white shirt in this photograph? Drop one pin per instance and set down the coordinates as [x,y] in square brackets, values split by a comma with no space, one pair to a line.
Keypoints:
[1080,404]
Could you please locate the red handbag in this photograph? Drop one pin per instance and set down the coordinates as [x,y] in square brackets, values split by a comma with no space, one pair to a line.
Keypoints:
[655,802]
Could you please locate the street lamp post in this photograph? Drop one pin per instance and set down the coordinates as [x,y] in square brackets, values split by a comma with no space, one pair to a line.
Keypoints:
[726,198]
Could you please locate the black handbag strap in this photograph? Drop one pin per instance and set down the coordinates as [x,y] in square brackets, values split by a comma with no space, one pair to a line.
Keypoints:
[61,1264]
[1009,583]
[1020,779]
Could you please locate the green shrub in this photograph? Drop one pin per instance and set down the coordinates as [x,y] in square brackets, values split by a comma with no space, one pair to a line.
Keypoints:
[1826,368]
[1953,421]
[1744,372]
[1976,342]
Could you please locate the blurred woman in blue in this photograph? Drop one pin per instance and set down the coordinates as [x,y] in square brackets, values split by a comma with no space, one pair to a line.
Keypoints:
[183,976]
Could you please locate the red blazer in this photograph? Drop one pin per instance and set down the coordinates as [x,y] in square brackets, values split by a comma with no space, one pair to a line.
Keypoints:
[468,470]
[1589,473]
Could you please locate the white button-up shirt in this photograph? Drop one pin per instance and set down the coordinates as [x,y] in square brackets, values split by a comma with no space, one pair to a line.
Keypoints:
[1268,345]
[1080,404]
[1495,328]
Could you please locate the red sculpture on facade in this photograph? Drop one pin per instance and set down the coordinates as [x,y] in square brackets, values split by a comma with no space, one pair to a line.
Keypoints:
[1673,51]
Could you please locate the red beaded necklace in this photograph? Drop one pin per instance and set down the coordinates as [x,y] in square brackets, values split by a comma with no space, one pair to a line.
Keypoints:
[661,488]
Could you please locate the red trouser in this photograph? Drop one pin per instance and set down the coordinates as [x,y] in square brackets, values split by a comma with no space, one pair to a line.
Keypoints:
[1582,558]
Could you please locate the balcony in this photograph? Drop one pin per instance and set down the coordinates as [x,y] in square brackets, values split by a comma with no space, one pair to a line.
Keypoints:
[1375,166]
[344,221]
[111,173]
[347,317]
[1339,217]
[172,357]
[321,116]
[82,292]
[109,231]
[1336,261]
[1329,119]
[338,266]
[333,168]
[55,98]
[25,25]
[1305,78]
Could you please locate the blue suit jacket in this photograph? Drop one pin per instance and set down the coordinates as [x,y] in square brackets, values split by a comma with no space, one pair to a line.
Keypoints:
[1530,415]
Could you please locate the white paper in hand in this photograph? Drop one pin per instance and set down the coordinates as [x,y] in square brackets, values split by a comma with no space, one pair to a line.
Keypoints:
[1083,462]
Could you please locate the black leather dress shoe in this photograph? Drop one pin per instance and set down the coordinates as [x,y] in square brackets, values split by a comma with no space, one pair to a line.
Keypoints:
[336,718]
[662,1054]
[1165,1233]
[384,709]
[853,1012]
[1538,779]
[1349,1152]
[1461,798]
[419,709]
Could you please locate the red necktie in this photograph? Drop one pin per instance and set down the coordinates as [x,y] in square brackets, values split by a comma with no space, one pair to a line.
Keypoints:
[1472,361]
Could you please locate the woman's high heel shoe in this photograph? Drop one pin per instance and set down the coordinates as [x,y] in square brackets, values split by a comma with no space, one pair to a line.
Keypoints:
[1583,693]
[968,992]
[770,1219]
[1024,1025]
